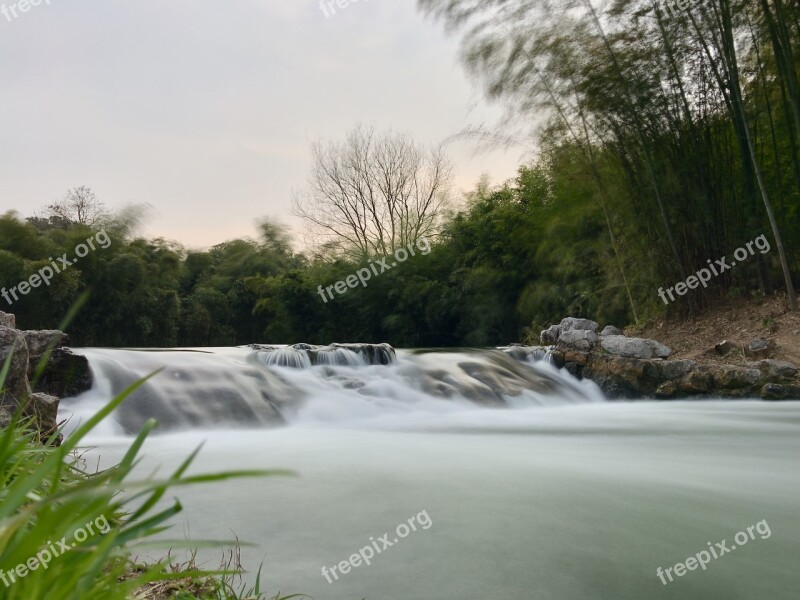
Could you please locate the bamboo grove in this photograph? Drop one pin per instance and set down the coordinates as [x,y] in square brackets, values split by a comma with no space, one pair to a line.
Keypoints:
[686,117]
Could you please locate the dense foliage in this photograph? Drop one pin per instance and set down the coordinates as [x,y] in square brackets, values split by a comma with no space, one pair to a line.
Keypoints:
[526,251]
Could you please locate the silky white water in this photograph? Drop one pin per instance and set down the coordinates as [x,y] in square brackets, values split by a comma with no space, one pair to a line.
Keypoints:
[558,496]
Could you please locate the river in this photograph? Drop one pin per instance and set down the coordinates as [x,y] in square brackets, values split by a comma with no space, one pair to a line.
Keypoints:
[553,493]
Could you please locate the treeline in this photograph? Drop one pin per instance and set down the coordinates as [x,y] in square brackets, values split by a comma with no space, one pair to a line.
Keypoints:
[516,258]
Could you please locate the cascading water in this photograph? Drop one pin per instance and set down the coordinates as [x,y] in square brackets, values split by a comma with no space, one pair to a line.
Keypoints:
[270,385]
[535,487]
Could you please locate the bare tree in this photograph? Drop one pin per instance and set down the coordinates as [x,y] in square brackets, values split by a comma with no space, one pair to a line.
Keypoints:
[79,207]
[374,192]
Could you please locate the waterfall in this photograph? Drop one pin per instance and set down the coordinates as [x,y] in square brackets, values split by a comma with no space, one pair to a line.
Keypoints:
[267,386]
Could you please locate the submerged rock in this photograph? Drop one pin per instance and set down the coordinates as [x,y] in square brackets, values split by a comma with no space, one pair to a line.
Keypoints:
[302,356]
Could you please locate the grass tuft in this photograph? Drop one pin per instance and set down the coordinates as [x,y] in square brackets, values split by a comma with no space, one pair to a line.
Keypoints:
[66,534]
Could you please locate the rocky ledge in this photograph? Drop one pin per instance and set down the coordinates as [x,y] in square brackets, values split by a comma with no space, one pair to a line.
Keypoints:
[63,374]
[627,367]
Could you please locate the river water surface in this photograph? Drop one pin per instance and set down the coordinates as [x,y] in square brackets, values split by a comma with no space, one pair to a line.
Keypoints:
[560,495]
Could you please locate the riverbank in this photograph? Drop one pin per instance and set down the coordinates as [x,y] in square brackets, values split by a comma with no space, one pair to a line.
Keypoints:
[739,350]
[739,322]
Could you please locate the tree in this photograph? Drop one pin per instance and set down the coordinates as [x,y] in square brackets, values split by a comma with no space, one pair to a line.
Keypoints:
[80,206]
[374,192]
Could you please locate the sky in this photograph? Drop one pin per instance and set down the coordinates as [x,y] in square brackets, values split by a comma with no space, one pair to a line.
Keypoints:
[205,111]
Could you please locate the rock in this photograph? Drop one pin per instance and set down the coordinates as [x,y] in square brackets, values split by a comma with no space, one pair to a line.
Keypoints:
[300,355]
[668,389]
[774,371]
[526,353]
[7,320]
[727,377]
[517,353]
[634,368]
[723,347]
[620,377]
[577,339]
[697,381]
[634,347]
[676,369]
[66,374]
[374,354]
[759,348]
[5,416]
[611,330]
[39,341]
[45,409]
[571,323]
[549,336]
[16,386]
[776,391]
[564,356]
[773,391]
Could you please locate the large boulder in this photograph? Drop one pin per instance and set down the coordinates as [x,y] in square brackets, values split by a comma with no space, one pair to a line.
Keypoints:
[16,386]
[578,339]
[65,375]
[45,409]
[620,345]
[549,336]
[774,371]
[39,341]
[571,323]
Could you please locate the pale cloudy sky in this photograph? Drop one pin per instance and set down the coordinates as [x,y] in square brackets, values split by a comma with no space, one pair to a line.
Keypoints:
[205,110]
